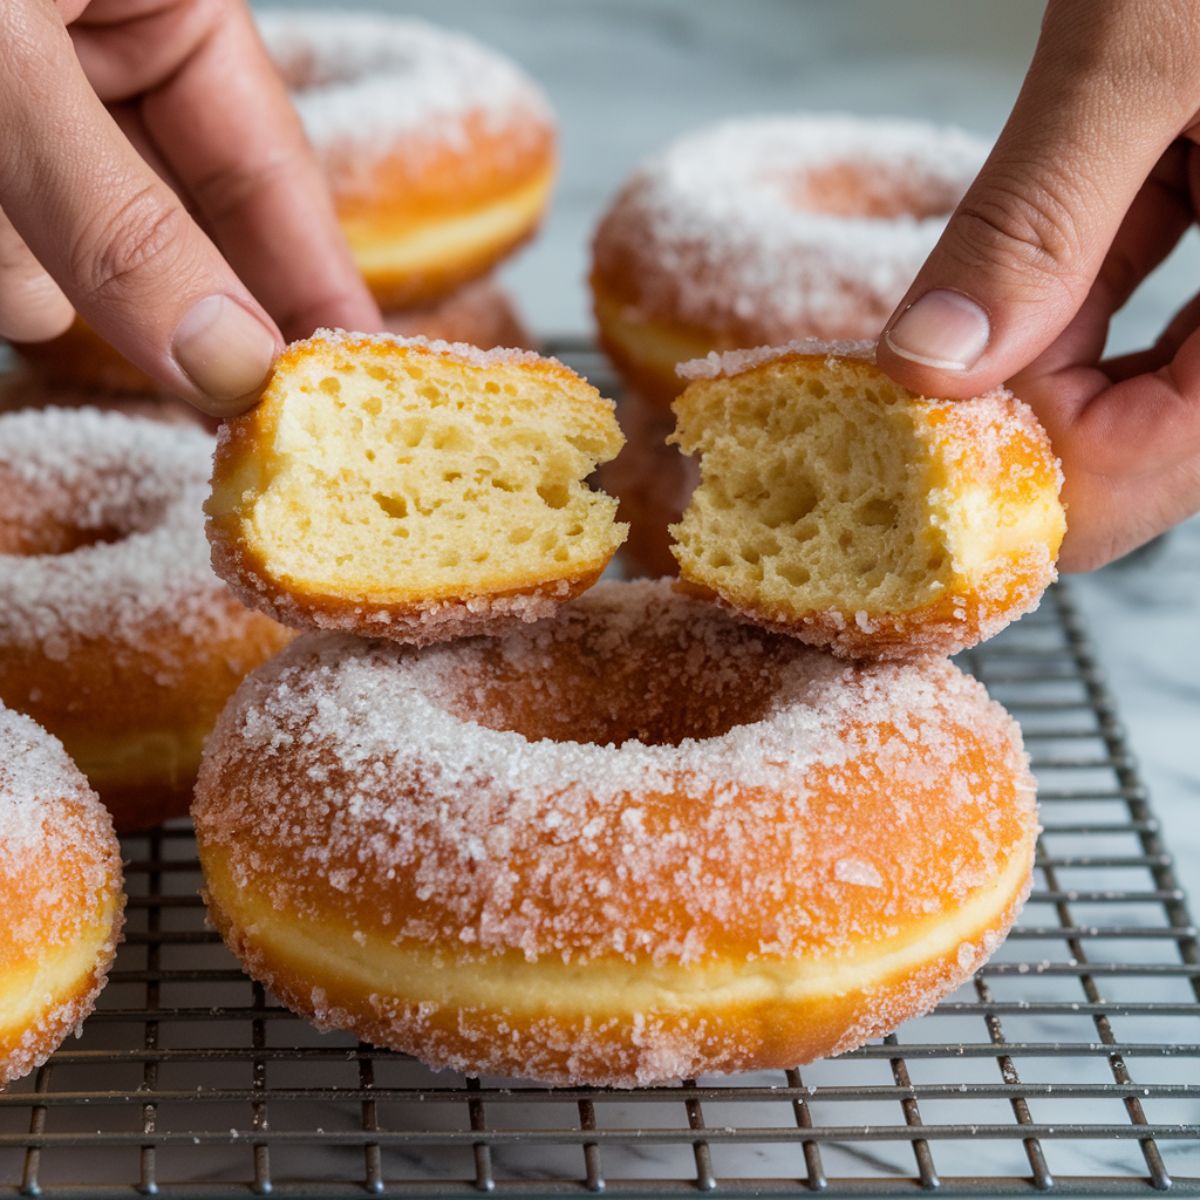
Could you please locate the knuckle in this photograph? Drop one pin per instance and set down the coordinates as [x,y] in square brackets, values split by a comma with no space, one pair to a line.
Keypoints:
[223,194]
[1028,233]
[112,254]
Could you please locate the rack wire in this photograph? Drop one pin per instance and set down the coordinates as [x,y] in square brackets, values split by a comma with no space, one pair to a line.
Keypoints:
[1069,1065]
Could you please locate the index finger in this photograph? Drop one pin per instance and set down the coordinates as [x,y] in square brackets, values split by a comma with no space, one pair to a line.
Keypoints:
[221,118]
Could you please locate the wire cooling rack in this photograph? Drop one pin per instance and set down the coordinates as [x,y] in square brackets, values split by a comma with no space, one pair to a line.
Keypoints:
[1069,1065]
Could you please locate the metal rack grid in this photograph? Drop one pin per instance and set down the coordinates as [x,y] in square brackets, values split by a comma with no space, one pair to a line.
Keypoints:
[1069,1065]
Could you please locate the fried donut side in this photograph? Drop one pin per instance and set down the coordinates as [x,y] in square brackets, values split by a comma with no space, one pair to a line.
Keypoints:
[60,891]
[760,230]
[635,843]
[439,151]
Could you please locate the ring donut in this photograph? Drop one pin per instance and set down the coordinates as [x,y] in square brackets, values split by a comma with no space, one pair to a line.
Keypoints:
[60,892]
[439,152]
[754,232]
[633,843]
[115,635]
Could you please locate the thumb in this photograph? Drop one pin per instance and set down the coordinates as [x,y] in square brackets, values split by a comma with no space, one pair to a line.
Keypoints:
[1020,253]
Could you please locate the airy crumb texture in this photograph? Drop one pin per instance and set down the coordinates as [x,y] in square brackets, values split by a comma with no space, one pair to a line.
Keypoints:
[843,509]
[413,490]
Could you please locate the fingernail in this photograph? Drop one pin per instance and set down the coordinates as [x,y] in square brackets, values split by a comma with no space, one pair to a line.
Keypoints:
[225,351]
[942,329]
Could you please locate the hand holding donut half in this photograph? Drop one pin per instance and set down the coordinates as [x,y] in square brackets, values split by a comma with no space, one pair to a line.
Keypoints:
[625,837]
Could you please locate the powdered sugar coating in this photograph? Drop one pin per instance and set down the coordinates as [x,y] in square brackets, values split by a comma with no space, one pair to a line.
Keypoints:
[141,480]
[719,231]
[362,77]
[59,868]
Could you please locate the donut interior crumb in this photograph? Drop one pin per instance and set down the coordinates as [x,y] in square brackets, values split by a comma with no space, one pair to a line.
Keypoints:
[825,489]
[414,476]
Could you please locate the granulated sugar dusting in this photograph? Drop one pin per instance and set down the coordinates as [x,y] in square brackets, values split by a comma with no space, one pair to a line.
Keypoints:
[59,875]
[785,224]
[101,529]
[366,77]
[471,356]
[536,794]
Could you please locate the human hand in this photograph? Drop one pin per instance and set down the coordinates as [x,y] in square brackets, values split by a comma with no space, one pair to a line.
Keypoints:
[86,224]
[1094,179]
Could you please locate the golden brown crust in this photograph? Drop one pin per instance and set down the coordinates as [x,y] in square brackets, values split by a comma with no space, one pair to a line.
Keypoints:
[119,640]
[570,1048]
[391,216]
[665,909]
[136,729]
[417,624]
[989,451]
[946,626]
[753,232]
[60,892]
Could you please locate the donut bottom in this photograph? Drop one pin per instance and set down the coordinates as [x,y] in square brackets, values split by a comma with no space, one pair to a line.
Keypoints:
[143,778]
[652,482]
[605,1023]
[646,351]
[44,999]
[407,263]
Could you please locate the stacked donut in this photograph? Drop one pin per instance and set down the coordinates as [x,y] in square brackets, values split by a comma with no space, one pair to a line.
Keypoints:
[632,835]
[440,154]
[756,232]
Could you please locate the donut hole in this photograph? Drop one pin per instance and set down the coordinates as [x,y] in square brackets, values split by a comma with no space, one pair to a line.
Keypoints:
[816,490]
[35,529]
[602,679]
[863,189]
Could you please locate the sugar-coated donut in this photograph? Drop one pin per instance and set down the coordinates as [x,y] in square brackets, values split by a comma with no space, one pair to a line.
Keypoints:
[836,506]
[439,151]
[652,482]
[634,843]
[82,360]
[756,231]
[28,386]
[114,633]
[413,490]
[480,314]
[60,892]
